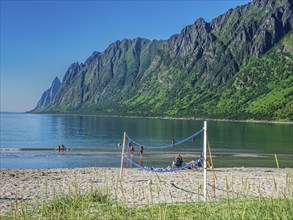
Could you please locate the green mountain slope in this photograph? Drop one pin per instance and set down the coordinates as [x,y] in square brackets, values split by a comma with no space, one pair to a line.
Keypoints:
[238,66]
[264,88]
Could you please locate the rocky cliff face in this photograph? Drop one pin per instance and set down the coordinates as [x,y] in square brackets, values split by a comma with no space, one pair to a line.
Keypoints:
[255,28]
[104,76]
[48,96]
[181,76]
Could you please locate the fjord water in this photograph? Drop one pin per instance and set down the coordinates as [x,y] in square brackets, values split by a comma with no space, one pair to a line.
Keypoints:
[31,140]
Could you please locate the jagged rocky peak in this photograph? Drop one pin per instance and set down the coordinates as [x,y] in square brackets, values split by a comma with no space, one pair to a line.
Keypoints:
[55,86]
[125,44]
[269,4]
[188,39]
[201,24]
[48,96]
[277,23]
[117,47]
[197,29]
[254,28]
[70,74]
[261,3]
[95,56]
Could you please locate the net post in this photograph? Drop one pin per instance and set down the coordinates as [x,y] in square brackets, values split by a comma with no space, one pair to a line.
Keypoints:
[204,161]
[122,156]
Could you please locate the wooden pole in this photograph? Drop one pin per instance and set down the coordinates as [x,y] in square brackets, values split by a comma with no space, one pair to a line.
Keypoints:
[205,161]
[122,156]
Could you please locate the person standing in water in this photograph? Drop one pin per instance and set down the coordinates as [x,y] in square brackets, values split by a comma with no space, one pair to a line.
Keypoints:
[131,148]
[173,142]
[141,150]
[63,148]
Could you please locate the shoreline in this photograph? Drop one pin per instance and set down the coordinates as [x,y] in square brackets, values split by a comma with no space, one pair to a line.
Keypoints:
[138,188]
[168,118]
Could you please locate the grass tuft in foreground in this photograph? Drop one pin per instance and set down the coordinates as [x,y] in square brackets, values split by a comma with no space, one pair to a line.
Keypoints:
[97,205]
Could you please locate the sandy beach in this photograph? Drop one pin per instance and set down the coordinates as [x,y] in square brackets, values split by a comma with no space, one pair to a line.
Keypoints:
[141,188]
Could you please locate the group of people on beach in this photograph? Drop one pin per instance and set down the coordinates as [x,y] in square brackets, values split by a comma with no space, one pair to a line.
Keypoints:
[192,164]
[131,148]
[131,151]
[61,148]
[175,164]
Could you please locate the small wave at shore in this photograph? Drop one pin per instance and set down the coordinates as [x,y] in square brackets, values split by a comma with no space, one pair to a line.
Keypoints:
[49,149]
[10,149]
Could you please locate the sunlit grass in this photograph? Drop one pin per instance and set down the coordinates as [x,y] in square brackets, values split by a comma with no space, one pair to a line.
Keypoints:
[103,203]
[99,206]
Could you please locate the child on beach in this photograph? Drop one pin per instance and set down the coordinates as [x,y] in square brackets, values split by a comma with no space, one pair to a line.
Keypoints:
[178,162]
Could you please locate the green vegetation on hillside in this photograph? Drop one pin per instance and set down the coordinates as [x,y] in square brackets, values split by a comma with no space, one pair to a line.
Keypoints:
[238,66]
[264,88]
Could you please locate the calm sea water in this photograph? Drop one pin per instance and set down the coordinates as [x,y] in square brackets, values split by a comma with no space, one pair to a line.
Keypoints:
[30,141]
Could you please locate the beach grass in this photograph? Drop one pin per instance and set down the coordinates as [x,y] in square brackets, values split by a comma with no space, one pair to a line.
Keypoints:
[100,203]
[99,206]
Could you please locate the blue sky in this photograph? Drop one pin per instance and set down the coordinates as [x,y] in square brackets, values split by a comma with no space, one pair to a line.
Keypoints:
[40,39]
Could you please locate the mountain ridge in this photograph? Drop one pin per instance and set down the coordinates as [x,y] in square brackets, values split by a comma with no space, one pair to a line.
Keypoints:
[48,95]
[180,76]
